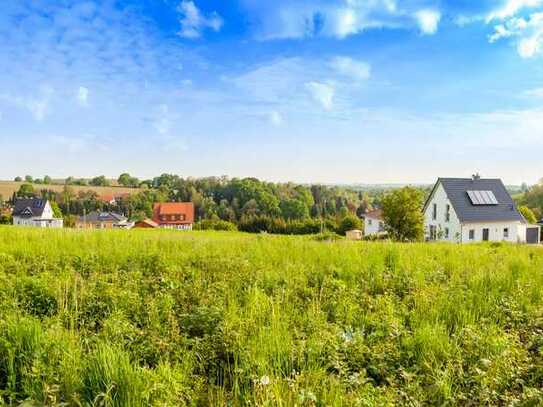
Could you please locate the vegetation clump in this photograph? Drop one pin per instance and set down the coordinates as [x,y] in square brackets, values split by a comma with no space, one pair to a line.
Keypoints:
[204,318]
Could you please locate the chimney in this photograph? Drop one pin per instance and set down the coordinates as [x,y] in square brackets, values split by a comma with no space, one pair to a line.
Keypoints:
[475,177]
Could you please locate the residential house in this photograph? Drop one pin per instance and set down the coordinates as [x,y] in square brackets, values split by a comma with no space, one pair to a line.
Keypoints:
[145,224]
[36,213]
[103,220]
[374,224]
[174,215]
[473,209]
[113,199]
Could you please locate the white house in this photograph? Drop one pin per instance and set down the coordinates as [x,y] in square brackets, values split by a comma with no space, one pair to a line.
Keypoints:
[36,213]
[468,210]
[373,223]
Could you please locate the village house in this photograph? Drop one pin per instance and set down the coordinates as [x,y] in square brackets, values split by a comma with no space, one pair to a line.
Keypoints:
[36,213]
[145,224]
[174,215]
[113,199]
[473,209]
[103,220]
[374,224]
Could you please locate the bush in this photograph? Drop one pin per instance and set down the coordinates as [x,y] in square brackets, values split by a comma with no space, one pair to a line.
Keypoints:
[212,224]
[349,222]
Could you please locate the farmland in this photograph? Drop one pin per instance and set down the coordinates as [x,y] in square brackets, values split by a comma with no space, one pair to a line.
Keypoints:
[136,318]
[7,188]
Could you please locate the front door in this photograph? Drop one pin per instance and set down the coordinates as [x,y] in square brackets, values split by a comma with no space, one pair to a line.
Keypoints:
[486,233]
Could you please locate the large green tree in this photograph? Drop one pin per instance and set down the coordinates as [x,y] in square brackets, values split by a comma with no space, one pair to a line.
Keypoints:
[402,214]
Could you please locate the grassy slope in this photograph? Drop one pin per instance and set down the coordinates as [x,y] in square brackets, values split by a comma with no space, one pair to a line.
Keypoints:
[7,188]
[166,318]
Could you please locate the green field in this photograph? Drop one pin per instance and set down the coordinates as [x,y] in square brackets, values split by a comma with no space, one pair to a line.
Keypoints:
[117,318]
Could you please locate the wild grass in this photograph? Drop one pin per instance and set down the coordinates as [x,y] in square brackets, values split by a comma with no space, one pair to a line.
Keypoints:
[117,318]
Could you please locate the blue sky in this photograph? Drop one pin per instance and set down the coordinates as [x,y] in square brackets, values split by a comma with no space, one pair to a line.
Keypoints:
[311,91]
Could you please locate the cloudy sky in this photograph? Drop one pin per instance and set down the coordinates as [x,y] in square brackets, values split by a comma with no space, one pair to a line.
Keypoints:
[305,90]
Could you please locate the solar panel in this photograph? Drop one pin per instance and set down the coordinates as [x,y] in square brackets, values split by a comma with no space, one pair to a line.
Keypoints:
[482,198]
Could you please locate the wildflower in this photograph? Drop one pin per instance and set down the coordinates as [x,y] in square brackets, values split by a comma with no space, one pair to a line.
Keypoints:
[265,380]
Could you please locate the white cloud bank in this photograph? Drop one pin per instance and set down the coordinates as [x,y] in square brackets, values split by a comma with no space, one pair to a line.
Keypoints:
[322,93]
[428,21]
[340,19]
[194,22]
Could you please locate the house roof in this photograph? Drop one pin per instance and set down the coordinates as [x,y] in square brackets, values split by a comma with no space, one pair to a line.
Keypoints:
[148,222]
[113,197]
[457,192]
[102,217]
[375,214]
[174,208]
[29,208]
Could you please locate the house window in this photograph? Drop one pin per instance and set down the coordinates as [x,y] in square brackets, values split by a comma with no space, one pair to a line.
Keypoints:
[433,232]
[369,222]
[434,211]
[446,233]
[381,226]
[448,213]
[506,233]
[472,234]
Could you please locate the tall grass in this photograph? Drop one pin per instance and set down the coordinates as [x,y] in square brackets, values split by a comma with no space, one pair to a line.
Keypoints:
[116,318]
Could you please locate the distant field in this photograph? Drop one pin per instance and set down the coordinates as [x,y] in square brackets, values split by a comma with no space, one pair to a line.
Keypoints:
[138,318]
[8,187]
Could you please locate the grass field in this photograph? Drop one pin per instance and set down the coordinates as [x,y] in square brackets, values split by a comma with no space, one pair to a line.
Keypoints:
[116,318]
[7,188]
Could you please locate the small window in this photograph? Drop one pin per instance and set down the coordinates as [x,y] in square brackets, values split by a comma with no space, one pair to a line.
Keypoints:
[369,222]
[506,233]
[448,213]
[434,212]
[446,233]
[472,234]
[433,232]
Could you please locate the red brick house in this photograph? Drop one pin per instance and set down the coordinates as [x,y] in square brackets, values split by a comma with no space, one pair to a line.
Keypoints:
[174,215]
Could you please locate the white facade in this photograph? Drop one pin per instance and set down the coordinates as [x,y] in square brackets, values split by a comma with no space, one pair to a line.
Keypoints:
[441,223]
[46,220]
[373,226]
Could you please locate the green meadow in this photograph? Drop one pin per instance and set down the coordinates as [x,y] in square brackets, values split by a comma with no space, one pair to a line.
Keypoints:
[137,318]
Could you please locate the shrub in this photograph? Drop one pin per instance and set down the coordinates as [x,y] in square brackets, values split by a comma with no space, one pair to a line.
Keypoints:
[212,224]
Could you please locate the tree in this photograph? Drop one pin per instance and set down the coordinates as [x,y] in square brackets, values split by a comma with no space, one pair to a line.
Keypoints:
[126,180]
[26,191]
[29,179]
[528,214]
[349,222]
[294,209]
[57,213]
[47,180]
[402,214]
[100,181]
[18,179]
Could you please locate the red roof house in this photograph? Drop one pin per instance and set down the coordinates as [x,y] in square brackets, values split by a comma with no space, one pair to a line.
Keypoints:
[174,215]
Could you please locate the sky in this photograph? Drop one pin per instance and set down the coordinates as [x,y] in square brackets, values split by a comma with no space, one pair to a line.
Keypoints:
[335,91]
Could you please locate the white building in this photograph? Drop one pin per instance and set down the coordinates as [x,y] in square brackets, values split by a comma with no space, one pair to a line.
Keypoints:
[35,213]
[468,210]
[373,223]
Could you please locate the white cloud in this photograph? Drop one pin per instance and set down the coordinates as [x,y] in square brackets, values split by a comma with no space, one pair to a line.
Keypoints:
[529,34]
[38,107]
[534,93]
[332,18]
[511,8]
[322,93]
[83,96]
[193,22]
[346,66]
[275,118]
[162,121]
[428,21]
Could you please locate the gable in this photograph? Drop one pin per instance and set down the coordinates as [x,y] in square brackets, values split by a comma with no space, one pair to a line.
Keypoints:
[494,206]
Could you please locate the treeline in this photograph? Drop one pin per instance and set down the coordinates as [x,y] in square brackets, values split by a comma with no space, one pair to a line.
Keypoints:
[248,203]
